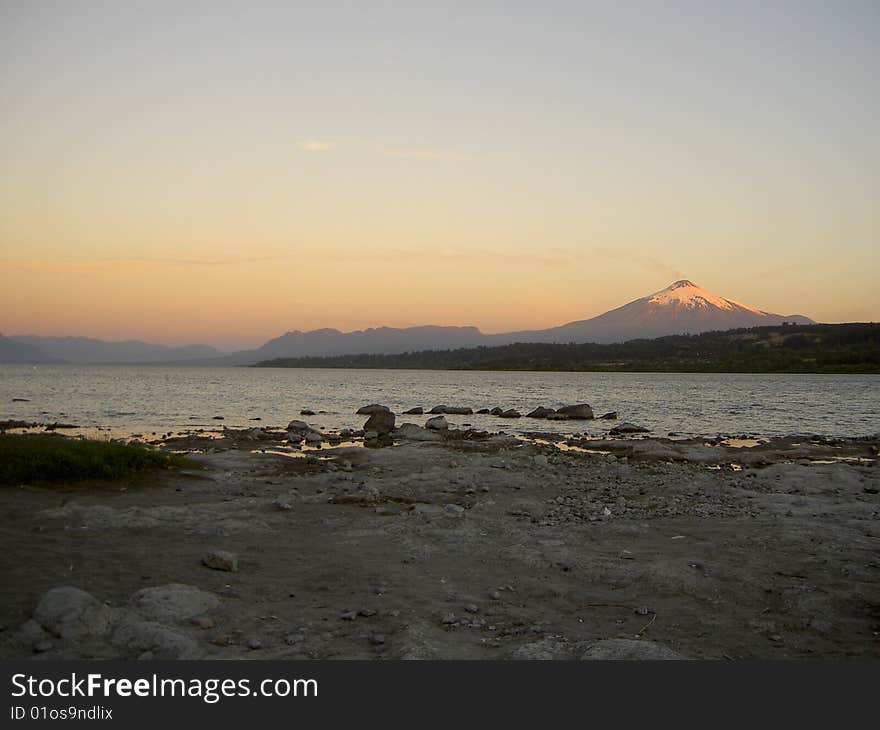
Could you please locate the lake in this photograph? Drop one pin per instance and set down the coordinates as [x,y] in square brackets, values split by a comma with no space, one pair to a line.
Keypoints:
[130,399]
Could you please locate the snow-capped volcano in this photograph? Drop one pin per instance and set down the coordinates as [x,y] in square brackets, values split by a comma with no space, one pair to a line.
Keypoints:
[681,308]
[685,293]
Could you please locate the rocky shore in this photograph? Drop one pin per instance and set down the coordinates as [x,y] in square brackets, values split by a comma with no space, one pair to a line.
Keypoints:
[437,541]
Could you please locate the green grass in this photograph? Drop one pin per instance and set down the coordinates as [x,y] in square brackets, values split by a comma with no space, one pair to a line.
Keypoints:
[30,459]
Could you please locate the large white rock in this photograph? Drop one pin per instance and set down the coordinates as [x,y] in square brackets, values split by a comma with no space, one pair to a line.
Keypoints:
[72,613]
[173,602]
[148,636]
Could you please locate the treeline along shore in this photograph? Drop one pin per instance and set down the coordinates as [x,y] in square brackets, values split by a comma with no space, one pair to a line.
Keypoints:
[816,348]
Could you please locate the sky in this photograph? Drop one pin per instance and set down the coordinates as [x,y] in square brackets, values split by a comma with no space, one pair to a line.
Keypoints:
[223,172]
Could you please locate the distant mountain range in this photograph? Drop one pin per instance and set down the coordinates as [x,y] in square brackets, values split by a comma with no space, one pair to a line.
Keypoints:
[86,350]
[681,308]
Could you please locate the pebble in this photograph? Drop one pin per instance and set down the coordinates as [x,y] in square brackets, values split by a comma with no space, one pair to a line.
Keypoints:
[348,616]
[472,608]
[292,639]
[495,595]
[367,612]
[43,646]
[221,560]
[255,644]
[448,618]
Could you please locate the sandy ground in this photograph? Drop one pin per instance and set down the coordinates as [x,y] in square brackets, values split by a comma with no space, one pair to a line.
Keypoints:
[463,548]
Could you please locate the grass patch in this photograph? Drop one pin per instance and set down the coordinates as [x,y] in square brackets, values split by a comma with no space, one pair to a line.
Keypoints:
[37,458]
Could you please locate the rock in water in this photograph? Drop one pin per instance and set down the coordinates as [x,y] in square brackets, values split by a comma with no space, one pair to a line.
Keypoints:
[511,413]
[438,423]
[221,560]
[579,412]
[610,416]
[71,613]
[459,410]
[371,409]
[541,412]
[629,649]
[382,422]
[417,411]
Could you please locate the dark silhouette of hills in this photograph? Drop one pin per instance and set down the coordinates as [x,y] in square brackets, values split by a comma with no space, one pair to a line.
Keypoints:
[814,348]
[12,351]
[86,350]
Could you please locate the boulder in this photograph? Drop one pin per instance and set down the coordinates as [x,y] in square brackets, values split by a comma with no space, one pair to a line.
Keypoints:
[438,423]
[438,409]
[161,641]
[511,413]
[496,411]
[220,560]
[382,422]
[299,430]
[579,412]
[173,602]
[627,427]
[484,411]
[629,649]
[412,432]
[72,613]
[540,412]
[417,411]
[371,409]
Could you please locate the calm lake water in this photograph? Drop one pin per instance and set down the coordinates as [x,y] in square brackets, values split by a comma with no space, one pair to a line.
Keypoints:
[128,400]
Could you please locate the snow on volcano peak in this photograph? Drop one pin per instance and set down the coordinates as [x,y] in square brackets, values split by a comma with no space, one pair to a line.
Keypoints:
[685,293]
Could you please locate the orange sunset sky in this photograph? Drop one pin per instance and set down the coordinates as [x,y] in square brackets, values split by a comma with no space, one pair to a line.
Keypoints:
[224,172]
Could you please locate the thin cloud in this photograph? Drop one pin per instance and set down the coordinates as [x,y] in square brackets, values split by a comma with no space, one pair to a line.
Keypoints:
[115,263]
[316,145]
[427,153]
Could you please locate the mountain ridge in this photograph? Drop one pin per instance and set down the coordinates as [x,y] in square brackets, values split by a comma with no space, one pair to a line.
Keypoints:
[681,308]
